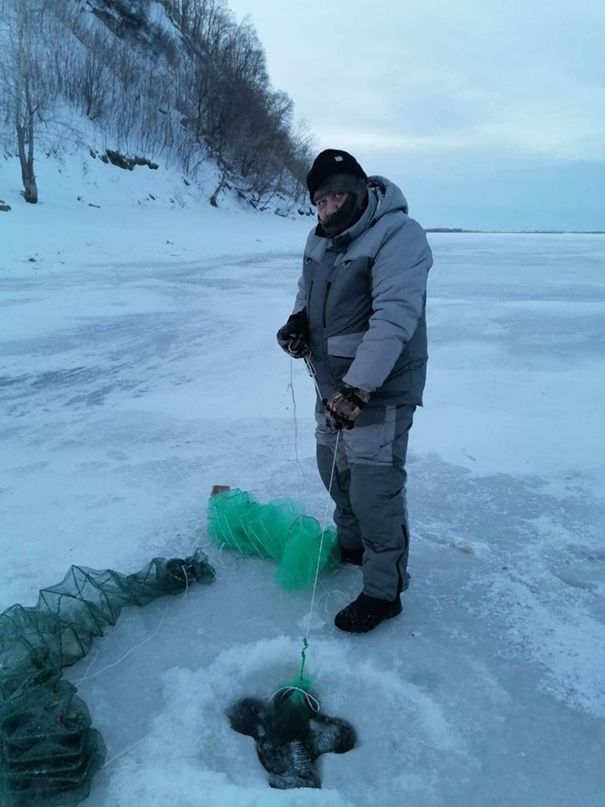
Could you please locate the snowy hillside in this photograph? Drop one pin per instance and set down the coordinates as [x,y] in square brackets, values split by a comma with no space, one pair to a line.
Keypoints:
[178,83]
[91,206]
[140,367]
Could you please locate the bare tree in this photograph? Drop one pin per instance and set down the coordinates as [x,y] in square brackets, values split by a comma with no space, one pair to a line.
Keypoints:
[25,106]
[24,86]
[94,80]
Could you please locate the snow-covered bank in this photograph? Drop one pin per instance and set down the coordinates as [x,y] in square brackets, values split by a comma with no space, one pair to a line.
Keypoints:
[91,213]
[137,373]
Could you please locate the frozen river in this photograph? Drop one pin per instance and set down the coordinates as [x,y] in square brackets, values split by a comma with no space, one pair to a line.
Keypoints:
[129,386]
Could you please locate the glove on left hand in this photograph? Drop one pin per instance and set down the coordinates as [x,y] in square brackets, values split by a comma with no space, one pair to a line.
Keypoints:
[344,407]
[294,335]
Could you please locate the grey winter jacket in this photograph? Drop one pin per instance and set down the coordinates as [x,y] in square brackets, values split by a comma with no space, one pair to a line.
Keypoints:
[364,292]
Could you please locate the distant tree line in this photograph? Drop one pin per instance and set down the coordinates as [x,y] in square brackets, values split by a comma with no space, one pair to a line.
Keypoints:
[188,84]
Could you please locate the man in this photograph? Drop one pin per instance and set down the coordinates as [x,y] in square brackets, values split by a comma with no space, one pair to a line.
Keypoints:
[359,322]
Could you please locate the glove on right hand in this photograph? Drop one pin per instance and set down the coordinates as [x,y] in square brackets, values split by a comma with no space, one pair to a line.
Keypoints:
[344,407]
[294,335]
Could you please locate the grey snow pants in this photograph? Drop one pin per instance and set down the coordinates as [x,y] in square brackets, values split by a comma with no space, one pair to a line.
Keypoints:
[368,489]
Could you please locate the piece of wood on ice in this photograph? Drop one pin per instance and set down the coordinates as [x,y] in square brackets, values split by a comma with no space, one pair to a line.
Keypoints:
[219,489]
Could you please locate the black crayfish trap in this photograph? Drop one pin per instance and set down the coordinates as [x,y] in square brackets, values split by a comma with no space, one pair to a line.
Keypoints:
[49,751]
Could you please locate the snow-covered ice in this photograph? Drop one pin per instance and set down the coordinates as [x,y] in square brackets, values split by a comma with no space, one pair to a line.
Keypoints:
[139,367]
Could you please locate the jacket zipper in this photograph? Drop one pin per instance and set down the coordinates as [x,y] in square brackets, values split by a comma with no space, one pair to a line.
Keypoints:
[326,302]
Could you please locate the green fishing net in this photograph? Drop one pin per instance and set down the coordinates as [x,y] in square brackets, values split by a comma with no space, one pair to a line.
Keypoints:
[277,530]
[48,749]
[294,705]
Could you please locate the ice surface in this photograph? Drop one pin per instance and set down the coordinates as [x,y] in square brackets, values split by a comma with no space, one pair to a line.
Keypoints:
[139,367]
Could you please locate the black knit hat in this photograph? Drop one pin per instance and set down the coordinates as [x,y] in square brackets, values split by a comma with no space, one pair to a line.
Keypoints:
[330,162]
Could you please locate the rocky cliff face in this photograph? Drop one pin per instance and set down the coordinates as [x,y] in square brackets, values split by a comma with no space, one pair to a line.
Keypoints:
[122,18]
[129,20]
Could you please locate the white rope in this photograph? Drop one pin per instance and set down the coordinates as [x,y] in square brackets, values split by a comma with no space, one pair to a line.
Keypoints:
[321,543]
[299,465]
[128,652]
[88,677]
[93,660]
[311,370]
[148,759]
[125,751]
[311,700]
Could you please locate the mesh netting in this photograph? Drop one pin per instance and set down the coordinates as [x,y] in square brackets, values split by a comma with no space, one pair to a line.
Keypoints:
[48,749]
[277,530]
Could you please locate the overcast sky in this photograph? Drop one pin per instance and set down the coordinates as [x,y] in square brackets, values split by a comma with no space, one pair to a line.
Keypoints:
[488,113]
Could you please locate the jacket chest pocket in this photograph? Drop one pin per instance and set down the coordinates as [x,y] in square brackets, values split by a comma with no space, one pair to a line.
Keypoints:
[352,270]
[349,286]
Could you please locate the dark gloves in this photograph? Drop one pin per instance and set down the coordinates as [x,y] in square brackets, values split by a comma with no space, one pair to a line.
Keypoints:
[343,408]
[294,335]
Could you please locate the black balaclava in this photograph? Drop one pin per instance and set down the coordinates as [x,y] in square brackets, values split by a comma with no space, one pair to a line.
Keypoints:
[336,171]
[347,214]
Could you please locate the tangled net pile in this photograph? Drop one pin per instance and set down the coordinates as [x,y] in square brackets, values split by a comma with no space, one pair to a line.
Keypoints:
[277,530]
[49,751]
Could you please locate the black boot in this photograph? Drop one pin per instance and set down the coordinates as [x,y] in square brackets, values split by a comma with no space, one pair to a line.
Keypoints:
[354,556]
[365,613]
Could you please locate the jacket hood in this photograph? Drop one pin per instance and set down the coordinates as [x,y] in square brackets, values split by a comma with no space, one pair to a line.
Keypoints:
[390,196]
[383,197]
